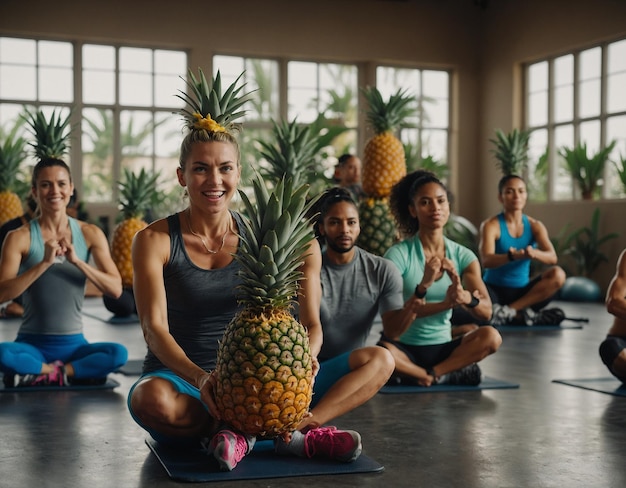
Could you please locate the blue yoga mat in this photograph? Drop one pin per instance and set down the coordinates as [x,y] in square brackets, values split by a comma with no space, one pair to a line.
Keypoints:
[262,462]
[486,384]
[608,385]
[110,384]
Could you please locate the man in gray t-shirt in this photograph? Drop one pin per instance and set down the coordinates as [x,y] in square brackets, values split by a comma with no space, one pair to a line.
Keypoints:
[356,285]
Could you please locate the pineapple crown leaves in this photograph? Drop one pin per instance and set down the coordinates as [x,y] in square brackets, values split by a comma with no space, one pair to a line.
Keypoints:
[390,115]
[275,244]
[138,192]
[511,151]
[12,153]
[207,108]
[292,155]
[51,135]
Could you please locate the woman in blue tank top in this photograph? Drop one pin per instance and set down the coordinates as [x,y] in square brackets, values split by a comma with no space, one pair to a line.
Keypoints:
[509,242]
[48,261]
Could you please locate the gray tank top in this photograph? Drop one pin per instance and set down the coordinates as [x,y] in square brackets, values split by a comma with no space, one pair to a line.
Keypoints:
[200,302]
[53,303]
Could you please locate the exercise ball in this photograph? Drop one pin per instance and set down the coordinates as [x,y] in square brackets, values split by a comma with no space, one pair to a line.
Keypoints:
[580,289]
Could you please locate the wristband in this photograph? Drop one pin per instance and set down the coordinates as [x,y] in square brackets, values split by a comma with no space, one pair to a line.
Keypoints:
[511,256]
[474,302]
[417,292]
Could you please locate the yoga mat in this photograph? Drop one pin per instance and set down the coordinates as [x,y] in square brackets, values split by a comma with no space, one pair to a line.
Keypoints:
[609,385]
[110,384]
[486,384]
[132,367]
[196,465]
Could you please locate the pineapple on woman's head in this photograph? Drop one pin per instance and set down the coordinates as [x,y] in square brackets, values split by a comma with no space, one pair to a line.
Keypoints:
[51,142]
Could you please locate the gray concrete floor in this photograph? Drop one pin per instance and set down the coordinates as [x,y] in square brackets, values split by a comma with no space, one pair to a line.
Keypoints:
[540,435]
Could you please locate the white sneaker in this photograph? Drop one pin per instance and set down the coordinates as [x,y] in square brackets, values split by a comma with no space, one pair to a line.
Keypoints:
[502,314]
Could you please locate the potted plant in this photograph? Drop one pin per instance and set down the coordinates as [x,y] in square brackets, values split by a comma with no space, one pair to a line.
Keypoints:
[511,151]
[586,171]
[582,248]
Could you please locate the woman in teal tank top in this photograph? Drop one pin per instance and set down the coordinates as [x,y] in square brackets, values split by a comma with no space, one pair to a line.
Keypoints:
[48,261]
[438,275]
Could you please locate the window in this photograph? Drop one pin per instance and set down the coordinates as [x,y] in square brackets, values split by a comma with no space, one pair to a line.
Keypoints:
[129,95]
[125,97]
[426,143]
[322,92]
[575,98]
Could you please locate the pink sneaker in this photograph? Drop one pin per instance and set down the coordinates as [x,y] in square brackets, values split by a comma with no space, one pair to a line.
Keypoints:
[54,378]
[340,445]
[229,448]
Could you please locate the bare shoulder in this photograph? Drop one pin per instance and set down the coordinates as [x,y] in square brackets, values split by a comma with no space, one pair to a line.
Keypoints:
[490,224]
[156,234]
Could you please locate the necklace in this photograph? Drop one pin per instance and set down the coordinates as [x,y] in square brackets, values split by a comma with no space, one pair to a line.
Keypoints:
[210,251]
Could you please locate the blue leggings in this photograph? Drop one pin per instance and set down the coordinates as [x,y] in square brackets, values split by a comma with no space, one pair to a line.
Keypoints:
[30,351]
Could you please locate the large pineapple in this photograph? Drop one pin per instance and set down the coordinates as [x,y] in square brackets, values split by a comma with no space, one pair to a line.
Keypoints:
[12,153]
[383,158]
[264,367]
[138,192]
[384,165]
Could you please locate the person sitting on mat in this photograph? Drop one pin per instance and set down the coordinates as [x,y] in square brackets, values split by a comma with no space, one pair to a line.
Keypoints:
[613,348]
[14,308]
[47,262]
[445,275]
[509,242]
[357,286]
[186,293]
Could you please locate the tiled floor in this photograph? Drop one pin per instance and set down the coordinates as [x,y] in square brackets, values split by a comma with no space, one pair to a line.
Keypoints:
[540,435]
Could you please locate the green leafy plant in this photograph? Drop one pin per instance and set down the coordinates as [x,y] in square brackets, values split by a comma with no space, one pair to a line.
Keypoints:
[582,246]
[414,161]
[621,171]
[462,231]
[511,151]
[587,171]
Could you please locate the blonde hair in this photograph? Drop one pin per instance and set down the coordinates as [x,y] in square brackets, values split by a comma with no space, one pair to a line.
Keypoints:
[202,135]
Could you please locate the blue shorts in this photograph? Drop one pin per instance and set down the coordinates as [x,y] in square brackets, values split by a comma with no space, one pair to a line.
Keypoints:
[331,371]
[181,386]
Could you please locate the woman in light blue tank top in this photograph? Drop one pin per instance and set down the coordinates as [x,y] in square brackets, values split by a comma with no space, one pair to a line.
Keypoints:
[48,261]
[438,275]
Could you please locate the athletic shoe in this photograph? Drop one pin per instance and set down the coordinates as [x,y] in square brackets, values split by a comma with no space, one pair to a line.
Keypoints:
[56,377]
[502,314]
[328,442]
[469,375]
[229,448]
[549,316]
[8,380]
